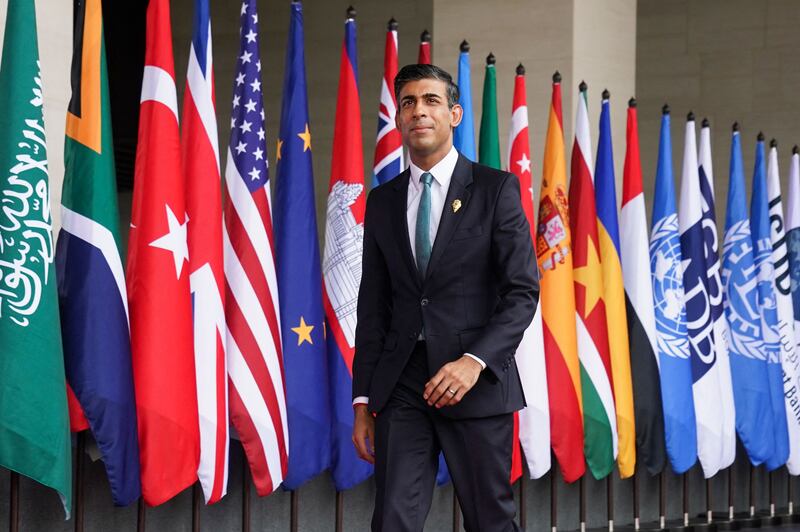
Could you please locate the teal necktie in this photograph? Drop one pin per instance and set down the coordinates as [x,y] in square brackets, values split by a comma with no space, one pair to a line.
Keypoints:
[422,240]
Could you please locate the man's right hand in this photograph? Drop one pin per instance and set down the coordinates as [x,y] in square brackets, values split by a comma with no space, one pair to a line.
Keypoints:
[364,433]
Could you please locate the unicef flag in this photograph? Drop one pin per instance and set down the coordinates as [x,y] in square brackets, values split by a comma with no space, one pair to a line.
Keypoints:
[765,273]
[740,298]
[670,313]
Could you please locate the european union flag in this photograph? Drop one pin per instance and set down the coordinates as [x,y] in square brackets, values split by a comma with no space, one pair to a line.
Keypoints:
[299,275]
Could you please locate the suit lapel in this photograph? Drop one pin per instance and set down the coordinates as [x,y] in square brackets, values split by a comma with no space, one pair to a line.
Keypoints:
[400,222]
[459,192]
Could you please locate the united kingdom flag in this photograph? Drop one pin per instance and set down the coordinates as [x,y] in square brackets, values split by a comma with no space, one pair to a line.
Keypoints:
[389,146]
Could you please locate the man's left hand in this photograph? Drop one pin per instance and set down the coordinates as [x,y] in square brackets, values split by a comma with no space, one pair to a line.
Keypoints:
[452,382]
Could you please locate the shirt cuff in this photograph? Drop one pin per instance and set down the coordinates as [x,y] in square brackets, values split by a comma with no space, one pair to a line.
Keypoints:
[361,400]
[481,362]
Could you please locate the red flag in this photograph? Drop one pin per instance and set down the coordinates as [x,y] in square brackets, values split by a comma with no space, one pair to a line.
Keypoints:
[158,281]
[200,157]
[424,57]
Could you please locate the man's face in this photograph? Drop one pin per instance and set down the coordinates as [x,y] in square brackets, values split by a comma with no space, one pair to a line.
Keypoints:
[425,121]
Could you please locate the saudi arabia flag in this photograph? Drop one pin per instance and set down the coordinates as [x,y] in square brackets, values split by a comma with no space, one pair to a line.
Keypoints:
[34,427]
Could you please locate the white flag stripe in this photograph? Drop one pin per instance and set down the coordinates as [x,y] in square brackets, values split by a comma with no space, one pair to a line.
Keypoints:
[247,388]
[201,90]
[793,201]
[100,237]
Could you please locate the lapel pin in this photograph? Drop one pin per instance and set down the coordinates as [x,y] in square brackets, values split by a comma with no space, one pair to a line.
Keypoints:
[456,205]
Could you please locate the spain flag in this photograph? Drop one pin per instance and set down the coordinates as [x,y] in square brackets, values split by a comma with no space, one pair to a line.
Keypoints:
[554,255]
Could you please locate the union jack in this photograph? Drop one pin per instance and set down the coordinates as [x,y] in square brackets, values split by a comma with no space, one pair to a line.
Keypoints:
[389,146]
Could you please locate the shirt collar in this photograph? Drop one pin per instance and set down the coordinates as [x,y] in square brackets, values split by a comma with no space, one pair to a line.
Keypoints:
[441,171]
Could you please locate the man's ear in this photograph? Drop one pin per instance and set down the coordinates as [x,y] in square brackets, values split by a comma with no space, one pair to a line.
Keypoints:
[456,114]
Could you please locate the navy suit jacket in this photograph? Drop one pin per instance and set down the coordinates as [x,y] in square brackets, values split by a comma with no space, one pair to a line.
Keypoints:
[478,295]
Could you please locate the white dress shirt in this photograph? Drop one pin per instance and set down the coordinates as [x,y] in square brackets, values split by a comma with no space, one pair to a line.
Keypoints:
[442,173]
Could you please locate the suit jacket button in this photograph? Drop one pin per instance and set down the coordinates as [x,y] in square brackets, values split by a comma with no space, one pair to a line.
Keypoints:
[424,302]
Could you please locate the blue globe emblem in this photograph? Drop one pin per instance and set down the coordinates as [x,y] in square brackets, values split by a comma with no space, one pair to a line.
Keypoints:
[668,288]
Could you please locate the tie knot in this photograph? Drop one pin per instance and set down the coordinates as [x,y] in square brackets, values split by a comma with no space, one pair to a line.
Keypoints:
[426,178]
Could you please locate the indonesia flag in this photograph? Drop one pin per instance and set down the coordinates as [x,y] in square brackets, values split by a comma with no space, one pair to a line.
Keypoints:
[200,156]
[424,56]
[158,281]
[532,425]
[388,160]
[255,364]
[341,262]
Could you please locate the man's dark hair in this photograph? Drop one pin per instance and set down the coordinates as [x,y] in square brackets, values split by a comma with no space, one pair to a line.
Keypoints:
[418,72]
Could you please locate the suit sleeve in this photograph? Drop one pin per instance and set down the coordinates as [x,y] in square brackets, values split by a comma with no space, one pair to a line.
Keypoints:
[374,303]
[514,265]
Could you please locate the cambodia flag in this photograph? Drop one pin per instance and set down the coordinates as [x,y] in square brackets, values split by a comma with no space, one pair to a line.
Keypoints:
[341,263]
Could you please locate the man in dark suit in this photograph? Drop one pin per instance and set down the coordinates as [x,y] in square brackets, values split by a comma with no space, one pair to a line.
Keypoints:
[449,286]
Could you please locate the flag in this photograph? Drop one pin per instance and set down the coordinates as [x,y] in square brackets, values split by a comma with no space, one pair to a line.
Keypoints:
[200,159]
[614,294]
[388,160]
[557,300]
[489,146]
[464,134]
[424,56]
[299,275]
[767,302]
[341,262]
[722,365]
[158,281]
[533,421]
[257,395]
[783,294]
[599,416]
[699,313]
[34,424]
[791,386]
[635,258]
[666,265]
[748,358]
[91,281]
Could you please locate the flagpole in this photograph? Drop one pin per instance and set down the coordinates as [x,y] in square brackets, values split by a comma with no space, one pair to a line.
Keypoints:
[662,502]
[610,502]
[13,515]
[523,512]
[80,466]
[196,507]
[141,516]
[245,493]
[752,492]
[553,500]
[582,503]
[709,516]
[730,493]
[685,499]
[636,523]
[294,504]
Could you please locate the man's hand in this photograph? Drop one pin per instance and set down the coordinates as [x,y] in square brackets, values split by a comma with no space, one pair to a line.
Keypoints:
[364,433]
[452,382]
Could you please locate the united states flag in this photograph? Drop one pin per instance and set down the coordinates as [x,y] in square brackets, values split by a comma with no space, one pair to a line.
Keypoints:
[255,367]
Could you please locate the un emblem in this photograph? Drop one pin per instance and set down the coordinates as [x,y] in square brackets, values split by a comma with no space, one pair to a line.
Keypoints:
[668,288]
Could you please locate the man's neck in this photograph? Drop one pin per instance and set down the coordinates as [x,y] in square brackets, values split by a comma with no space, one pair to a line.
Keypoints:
[427,161]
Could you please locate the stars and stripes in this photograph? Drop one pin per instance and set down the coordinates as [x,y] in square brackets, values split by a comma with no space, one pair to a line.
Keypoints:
[255,368]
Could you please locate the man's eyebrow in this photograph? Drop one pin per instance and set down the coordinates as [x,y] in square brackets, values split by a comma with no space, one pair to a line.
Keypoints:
[426,95]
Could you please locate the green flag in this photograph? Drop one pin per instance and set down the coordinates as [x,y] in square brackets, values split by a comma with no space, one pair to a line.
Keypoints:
[34,425]
[489,147]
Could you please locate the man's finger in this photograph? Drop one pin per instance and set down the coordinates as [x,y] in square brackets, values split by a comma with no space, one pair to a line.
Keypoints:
[441,393]
[432,384]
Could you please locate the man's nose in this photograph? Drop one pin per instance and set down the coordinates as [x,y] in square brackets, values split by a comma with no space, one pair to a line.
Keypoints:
[420,110]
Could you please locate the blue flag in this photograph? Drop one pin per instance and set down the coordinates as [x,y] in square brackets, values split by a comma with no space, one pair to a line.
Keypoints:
[740,298]
[299,276]
[671,330]
[464,135]
[767,303]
